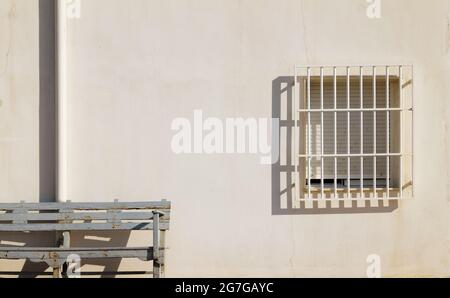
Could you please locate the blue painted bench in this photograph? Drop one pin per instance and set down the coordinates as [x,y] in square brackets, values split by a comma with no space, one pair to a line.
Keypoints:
[68,217]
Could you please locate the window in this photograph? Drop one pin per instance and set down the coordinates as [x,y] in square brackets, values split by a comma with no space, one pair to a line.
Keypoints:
[353,132]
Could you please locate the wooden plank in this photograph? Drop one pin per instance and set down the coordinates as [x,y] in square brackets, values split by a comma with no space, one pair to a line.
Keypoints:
[80,227]
[60,254]
[68,249]
[33,274]
[112,216]
[162,247]
[83,216]
[66,245]
[65,237]
[18,216]
[156,264]
[88,206]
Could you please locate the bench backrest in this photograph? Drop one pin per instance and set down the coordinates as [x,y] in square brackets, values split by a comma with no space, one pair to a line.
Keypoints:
[69,216]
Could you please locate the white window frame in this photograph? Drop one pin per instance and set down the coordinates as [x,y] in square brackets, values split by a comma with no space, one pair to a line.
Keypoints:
[387,195]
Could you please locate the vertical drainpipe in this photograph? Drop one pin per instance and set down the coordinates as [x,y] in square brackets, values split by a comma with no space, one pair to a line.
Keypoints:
[61,86]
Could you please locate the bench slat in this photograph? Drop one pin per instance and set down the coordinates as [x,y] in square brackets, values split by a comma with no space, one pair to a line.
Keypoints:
[82,216]
[8,249]
[88,206]
[61,217]
[59,255]
[164,225]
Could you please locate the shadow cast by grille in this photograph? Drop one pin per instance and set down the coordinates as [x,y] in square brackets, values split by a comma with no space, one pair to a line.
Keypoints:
[284,201]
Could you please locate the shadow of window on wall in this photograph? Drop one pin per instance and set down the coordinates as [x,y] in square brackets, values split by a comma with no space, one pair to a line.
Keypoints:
[283,172]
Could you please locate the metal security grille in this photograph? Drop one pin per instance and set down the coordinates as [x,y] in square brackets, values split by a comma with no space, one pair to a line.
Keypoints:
[349,132]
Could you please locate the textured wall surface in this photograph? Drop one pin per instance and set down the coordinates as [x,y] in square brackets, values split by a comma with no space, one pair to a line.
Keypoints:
[136,65]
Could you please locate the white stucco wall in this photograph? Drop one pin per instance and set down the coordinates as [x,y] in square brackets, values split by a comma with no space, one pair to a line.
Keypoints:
[134,66]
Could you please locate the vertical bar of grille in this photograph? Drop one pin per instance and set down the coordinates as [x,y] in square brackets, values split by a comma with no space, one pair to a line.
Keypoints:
[365,157]
[401,129]
[348,133]
[335,133]
[388,137]
[375,194]
[322,180]
[296,106]
[309,133]
[361,91]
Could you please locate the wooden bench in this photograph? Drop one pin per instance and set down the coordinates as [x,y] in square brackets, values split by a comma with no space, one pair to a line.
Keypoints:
[64,218]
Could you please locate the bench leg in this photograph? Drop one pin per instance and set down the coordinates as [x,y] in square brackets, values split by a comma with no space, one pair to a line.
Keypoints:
[66,244]
[156,269]
[60,272]
[163,249]
[56,272]
[156,264]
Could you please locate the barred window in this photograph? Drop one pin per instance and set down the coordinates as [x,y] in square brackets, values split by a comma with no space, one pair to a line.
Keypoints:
[354,132]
